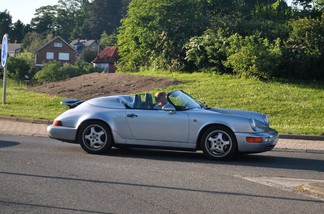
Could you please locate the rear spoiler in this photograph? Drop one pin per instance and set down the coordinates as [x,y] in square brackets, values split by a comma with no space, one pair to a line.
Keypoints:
[72,103]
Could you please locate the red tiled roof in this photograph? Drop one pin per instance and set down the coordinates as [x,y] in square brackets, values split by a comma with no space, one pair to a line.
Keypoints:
[108,55]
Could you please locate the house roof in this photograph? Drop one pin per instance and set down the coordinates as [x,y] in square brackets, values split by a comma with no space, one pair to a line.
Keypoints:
[58,37]
[12,47]
[84,42]
[108,55]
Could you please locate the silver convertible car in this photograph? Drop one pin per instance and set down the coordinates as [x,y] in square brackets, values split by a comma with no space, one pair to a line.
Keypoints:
[183,123]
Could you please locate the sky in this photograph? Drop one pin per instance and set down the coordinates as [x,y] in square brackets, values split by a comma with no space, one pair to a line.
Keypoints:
[23,9]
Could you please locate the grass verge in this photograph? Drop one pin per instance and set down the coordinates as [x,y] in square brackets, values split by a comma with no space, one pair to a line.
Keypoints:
[27,104]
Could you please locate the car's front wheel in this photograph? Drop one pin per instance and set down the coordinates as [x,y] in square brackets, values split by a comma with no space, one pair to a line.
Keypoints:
[95,137]
[218,143]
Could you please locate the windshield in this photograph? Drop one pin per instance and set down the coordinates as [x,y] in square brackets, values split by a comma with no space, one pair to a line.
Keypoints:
[182,101]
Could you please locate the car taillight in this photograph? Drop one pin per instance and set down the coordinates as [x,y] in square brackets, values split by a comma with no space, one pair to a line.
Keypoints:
[254,139]
[57,123]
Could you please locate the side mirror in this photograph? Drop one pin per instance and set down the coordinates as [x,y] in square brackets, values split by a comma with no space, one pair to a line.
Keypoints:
[169,107]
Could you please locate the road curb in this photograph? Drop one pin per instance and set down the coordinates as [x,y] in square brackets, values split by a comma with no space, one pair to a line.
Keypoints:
[301,137]
[278,149]
[27,120]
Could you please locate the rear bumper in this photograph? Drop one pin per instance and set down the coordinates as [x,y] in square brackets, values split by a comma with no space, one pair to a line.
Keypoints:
[270,140]
[65,134]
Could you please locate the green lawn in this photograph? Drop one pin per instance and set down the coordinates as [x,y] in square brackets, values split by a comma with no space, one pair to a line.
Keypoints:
[23,103]
[296,108]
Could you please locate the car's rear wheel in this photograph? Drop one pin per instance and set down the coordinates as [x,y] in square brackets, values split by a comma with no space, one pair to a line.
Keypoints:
[218,143]
[95,137]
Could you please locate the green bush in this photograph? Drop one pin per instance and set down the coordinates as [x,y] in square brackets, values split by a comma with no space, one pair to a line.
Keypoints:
[18,69]
[245,56]
[88,55]
[55,71]
[304,51]
[253,56]
[299,63]
[21,67]
[207,50]
[49,73]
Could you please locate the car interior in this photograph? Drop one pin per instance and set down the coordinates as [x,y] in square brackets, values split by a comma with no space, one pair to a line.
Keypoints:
[143,101]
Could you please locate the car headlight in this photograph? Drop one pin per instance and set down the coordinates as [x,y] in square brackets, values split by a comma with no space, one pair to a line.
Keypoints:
[266,119]
[253,124]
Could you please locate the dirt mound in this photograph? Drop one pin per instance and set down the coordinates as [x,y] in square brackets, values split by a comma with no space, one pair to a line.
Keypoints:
[103,84]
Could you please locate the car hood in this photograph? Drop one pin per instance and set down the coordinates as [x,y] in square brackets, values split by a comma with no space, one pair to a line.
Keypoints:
[248,114]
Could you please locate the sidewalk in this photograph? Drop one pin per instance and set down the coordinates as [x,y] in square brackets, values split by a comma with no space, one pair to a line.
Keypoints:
[30,127]
[25,127]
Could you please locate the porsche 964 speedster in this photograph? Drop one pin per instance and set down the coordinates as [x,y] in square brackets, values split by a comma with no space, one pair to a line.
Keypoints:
[182,123]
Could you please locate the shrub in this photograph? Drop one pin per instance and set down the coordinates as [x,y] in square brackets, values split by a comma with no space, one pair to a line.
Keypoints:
[55,71]
[207,50]
[49,73]
[304,50]
[21,67]
[88,55]
[300,63]
[18,69]
[253,56]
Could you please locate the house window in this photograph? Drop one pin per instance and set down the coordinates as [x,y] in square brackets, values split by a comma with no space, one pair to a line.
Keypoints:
[64,56]
[49,55]
[58,44]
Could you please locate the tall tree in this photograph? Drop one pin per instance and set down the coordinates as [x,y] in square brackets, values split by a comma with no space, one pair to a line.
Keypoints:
[18,32]
[154,31]
[44,21]
[67,14]
[305,4]
[81,26]
[125,4]
[268,17]
[5,23]
[319,5]
[104,15]
[107,40]
[33,41]
[15,30]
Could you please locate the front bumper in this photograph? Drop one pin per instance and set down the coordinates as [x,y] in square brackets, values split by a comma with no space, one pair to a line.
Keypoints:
[270,140]
[62,133]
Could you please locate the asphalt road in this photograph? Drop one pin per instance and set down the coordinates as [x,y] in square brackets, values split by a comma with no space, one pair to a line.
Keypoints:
[40,175]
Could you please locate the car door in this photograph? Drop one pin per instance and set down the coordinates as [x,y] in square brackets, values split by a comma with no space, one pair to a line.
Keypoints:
[158,125]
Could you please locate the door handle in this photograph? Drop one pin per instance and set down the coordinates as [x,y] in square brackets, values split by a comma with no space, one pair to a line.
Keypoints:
[131,115]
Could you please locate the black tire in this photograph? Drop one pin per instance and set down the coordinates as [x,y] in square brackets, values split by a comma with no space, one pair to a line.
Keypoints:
[95,137]
[218,143]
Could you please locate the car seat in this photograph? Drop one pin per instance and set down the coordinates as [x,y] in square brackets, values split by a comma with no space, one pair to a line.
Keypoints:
[137,101]
[148,101]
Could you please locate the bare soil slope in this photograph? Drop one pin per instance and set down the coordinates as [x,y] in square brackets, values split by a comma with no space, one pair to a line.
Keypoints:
[103,84]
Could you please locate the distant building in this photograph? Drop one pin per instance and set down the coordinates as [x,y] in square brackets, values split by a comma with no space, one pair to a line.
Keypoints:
[55,50]
[81,45]
[106,59]
[13,48]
